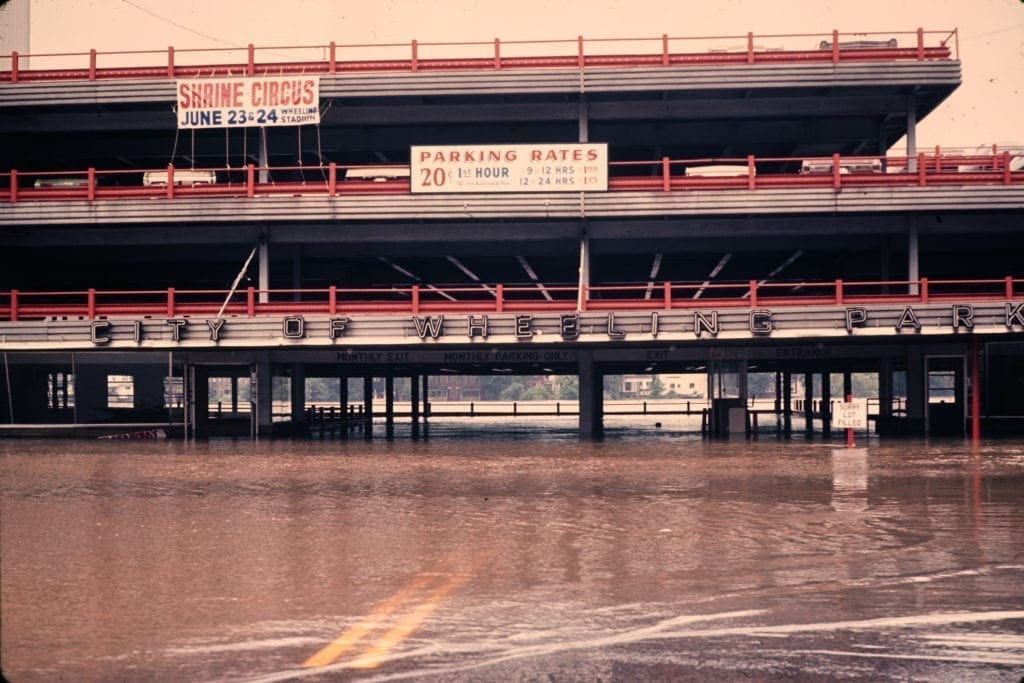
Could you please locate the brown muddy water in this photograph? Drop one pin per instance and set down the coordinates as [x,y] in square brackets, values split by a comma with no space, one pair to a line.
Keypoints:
[511,554]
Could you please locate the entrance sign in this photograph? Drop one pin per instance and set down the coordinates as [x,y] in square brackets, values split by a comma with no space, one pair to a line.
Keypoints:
[570,167]
[238,102]
[851,415]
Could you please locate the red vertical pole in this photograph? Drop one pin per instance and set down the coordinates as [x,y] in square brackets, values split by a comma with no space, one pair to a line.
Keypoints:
[922,179]
[753,293]
[92,64]
[920,44]
[170,302]
[90,298]
[836,178]
[750,47]
[1009,286]
[666,182]
[250,68]
[975,392]
[14,186]
[580,60]
[415,61]
[1006,167]
[250,302]
[499,299]
[332,179]
[664,49]
[835,45]
[849,430]
[924,289]
[14,66]
[839,291]
[497,54]
[332,65]
[170,61]
[415,298]
[91,184]
[250,181]
[332,299]
[14,305]
[170,181]
[668,296]
[751,173]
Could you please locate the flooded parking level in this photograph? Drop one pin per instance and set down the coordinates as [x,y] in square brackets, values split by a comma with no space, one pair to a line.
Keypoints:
[511,556]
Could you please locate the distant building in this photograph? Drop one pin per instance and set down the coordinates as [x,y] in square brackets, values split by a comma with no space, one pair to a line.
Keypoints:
[14,31]
[675,385]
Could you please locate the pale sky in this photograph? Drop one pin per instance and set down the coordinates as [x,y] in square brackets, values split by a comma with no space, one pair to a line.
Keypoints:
[986,109]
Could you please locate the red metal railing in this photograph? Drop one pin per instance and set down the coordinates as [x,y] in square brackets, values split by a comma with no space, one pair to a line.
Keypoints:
[667,175]
[16,305]
[495,54]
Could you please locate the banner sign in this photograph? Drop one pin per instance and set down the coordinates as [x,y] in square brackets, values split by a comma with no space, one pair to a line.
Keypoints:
[570,167]
[237,102]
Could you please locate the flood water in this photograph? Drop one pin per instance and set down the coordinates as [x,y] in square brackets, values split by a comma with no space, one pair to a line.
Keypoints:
[511,553]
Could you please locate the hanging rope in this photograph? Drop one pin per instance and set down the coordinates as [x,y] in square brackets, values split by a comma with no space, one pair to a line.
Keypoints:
[174,149]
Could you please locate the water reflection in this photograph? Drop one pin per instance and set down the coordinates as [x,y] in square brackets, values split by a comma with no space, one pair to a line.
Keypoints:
[643,555]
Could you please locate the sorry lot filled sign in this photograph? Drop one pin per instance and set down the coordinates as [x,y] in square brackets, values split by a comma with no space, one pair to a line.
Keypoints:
[569,167]
[248,101]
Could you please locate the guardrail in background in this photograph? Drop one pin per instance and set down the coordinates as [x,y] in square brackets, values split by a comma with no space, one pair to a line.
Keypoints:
[17,305]
[577,53]
[752,173]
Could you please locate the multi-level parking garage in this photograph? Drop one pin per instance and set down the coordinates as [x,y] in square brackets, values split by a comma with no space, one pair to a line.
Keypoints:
[749,213]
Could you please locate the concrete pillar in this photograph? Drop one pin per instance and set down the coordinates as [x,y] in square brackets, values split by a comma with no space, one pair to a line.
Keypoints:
[389,407]
[885,388]
[414,404]
[426,398]
[343,406]
[809,404]
[913,258]
[264,256]
[778,403]
[262,395]
[911,134]
[368,407]
[583,293]
[298,394]
[591,397]
[200,401]
[263,273]
[584,121]
[826,404]
[915,391]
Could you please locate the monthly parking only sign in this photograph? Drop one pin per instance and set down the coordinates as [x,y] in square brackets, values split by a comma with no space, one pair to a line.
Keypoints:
[852,415]
[248,101]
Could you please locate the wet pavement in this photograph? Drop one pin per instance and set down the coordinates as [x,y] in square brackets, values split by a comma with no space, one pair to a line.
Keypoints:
[511,555]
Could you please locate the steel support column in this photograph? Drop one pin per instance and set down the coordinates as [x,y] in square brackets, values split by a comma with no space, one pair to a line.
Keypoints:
[389,407]
[808,405]
[368,407]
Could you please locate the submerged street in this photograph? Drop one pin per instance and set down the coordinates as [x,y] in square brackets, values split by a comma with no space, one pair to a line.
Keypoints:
[514,557]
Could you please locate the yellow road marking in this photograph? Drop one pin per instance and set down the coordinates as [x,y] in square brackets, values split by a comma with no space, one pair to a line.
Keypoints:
[400,631]
[352,636]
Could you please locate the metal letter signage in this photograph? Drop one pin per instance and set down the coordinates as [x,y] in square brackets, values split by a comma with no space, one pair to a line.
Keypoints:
[569,167]
[239,102]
